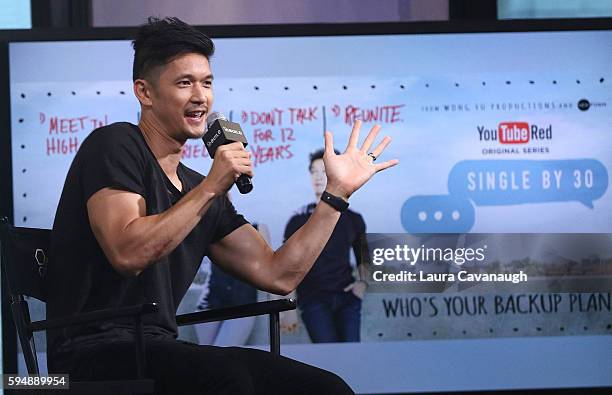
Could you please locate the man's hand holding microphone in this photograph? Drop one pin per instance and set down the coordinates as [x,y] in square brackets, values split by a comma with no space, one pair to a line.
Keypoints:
[226,142]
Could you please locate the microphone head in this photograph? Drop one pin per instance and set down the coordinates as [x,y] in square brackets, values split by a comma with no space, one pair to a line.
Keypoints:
[212,117]
[220,131]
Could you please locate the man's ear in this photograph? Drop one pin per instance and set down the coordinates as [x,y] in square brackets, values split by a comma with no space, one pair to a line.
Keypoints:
[142,90]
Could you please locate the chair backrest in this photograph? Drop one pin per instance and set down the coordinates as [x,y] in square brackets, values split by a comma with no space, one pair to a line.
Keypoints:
[24,254]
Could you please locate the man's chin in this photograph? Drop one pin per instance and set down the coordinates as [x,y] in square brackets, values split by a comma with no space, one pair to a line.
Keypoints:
[194,133]
[196,136]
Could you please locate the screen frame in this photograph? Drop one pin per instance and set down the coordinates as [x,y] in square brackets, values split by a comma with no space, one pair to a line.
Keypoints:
[9,337]
[311,30]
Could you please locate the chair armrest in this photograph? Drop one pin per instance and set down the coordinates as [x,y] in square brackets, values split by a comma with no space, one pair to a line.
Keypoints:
[228,313]
[93,316]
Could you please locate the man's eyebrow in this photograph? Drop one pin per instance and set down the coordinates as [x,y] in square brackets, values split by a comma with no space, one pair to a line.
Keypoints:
[192,77]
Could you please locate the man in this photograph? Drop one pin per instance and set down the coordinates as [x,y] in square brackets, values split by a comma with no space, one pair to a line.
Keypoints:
[329,298]
[133,224]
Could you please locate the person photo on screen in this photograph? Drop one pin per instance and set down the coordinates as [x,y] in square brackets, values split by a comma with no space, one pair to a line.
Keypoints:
[222,289]
[329,297]
[133,224]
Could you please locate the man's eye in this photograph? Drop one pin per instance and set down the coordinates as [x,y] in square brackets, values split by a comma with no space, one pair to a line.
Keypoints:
[184,83]
[207,83]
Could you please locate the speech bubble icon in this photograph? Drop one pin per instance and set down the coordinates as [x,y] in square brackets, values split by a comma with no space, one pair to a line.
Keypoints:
[437,214]
[508,182]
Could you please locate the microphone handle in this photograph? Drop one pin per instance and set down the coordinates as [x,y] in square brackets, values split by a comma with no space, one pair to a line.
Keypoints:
[244,184]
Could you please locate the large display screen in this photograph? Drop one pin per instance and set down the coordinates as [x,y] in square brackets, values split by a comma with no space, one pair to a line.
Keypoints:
[495,132]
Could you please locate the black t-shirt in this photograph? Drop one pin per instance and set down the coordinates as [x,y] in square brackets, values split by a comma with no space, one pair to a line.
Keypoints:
[332,270]
[81,279]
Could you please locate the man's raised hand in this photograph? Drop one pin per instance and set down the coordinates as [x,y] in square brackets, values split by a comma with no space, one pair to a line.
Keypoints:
[348,171]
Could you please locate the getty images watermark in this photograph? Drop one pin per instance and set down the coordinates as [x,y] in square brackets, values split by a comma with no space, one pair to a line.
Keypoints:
[481,262]
[457,256]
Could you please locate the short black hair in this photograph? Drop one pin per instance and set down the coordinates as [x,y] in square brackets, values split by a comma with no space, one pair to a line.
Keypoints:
[158,41]
[318,154]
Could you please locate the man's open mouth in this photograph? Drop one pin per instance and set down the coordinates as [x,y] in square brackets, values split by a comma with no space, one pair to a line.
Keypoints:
[196,115]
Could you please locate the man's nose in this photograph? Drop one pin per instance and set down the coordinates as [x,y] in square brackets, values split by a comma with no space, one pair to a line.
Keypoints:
[198,95]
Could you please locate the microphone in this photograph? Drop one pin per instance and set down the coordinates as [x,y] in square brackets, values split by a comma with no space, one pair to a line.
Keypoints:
[220,131]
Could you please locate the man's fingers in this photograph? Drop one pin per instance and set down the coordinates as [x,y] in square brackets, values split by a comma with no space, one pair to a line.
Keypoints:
[349,287]
[238,160]
[242,169]
[381,146]
[367,143]
[235,146]
[231,151]
[385,165]
[243,161]
[329,143]
[242,166]
[239,153]
[354,139]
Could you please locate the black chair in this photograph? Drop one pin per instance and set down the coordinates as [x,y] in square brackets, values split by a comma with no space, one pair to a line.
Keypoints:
[24,253]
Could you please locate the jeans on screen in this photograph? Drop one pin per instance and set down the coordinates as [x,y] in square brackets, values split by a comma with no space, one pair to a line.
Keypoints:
[334,317]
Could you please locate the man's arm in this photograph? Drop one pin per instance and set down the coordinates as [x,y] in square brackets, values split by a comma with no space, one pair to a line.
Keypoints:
[131,240]
[246,254]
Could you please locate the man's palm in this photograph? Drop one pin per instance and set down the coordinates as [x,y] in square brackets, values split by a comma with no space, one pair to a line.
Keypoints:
[348,171]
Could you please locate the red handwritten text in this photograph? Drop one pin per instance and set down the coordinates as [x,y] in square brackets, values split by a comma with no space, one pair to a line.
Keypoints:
[62,146]
[59,125]
[382,114]
[273,117]
[287,134]
[301,115]
[260,135]
[194,150]
[270,154]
